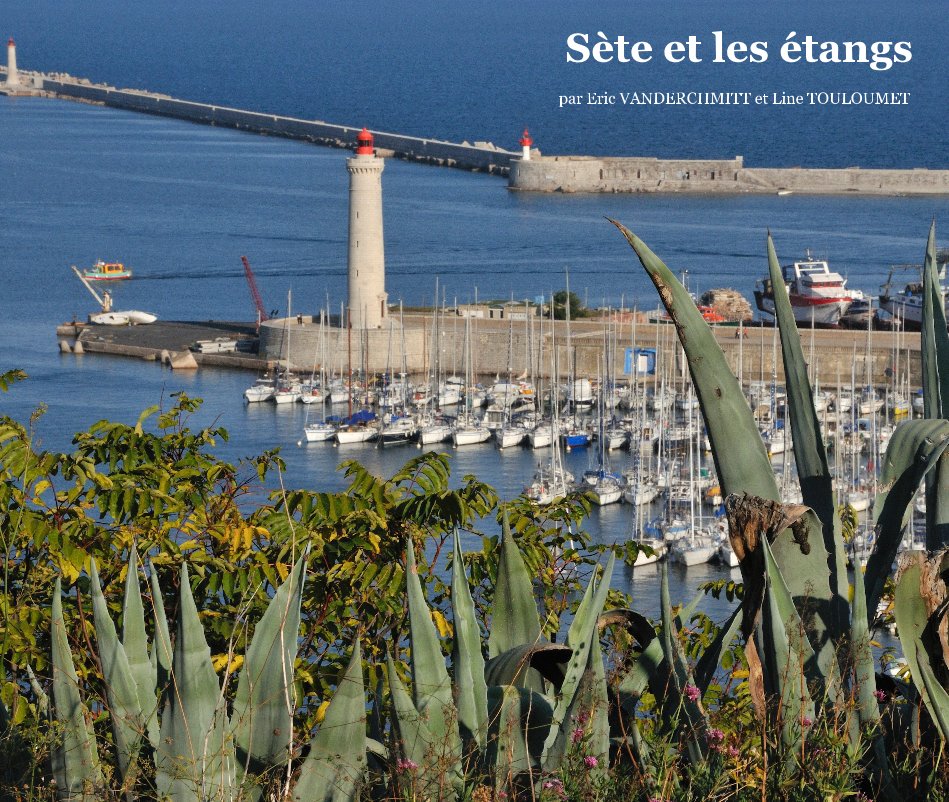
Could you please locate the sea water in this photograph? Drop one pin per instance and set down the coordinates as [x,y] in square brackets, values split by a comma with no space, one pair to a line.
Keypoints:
[181,203]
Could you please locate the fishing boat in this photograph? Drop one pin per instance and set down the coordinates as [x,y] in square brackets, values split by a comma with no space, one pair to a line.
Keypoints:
[906,305]
[818,295]
[107,271]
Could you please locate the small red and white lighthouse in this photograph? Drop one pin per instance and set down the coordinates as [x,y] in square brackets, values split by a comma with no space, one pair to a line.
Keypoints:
[13,77]
[364,143]
[526,143]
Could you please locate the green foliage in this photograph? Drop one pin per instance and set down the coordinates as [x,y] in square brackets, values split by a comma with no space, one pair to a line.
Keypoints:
[568,303]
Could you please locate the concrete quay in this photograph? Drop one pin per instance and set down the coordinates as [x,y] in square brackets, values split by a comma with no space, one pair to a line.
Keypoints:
[172,338]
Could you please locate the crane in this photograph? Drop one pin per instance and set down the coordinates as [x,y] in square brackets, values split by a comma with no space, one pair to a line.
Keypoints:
[255,293]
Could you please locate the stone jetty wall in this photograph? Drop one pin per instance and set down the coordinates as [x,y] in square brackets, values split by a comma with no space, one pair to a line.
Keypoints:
[481,156]
[620,174]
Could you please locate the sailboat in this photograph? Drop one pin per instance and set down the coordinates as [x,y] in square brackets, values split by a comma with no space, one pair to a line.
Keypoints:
[469,429]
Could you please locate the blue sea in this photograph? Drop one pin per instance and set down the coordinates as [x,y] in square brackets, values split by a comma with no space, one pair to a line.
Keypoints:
[181,203]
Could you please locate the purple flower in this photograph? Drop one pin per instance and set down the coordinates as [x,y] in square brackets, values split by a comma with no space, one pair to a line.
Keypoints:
[553,785]
[715,737]
[732,751]
[692,693]
[406,765]
[583,718]
[880,695]
[577,735]
[806,721]
[590,762]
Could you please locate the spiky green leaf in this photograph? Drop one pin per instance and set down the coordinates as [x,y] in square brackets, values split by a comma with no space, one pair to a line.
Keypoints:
[468,661]
[914,450]
[514,619]
[129,720]
[333,770]
[264,702]
[75,759]
[194,760]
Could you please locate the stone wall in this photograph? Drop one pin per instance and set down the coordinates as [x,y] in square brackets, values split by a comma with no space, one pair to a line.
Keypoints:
[619,174]
[838,354]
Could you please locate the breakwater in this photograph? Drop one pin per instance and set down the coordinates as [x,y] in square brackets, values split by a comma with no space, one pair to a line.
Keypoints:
[722,176]
[480,156]
[568,173]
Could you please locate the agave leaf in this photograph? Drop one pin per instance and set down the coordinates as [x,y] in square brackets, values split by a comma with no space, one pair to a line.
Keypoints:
[334,768]
[584,630]
[712,657]
[934,338]
[42,700]
[135,643]
[161,655]
[809,453]
[740,456]
[190,737]
[934,356]
[915,595]
[128,718]
[548,659]
[914,450]
[265,701]
[468,661]
[785,655]
[431,685]
[75,759]
[418,744]
[864,677]
[519,721]
[739,452]
[514,619]
[678,675]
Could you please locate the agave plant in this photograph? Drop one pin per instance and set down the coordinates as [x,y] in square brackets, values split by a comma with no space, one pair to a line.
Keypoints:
[198,749]
[807,648]
[511,720]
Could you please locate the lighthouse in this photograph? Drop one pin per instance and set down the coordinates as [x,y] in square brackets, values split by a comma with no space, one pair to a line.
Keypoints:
[526,143]
[367,264]
[13,77]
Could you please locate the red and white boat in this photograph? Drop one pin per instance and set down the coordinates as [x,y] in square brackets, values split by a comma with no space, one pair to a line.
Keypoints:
[818,295]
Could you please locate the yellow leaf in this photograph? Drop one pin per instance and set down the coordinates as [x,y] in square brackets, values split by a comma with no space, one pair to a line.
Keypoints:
[444,628]
[321,711]
[220,661]
[283,570]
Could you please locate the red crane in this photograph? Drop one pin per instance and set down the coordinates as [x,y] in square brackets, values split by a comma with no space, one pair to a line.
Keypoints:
[255,293]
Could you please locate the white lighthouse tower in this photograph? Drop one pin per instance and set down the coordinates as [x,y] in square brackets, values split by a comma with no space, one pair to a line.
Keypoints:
[367,263]
[13,77]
